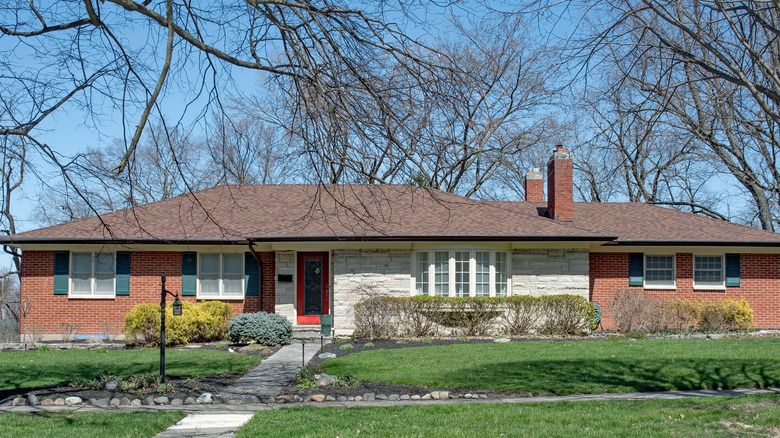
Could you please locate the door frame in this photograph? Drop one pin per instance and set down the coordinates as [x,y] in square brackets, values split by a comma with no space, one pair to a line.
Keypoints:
[312,319]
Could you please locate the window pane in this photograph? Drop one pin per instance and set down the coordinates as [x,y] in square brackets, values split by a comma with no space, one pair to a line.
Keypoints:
[209,284]
[82,263]
[421,273]
[708,271]
[442,273]
[501,274]
[209,264]
[233,285]
[462,263]
[82,283]
[659,271]
[482,259]
[104,284]
[233,264]
[104,264]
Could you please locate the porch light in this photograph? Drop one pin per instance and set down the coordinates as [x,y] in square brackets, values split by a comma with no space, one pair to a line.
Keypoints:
[176,307]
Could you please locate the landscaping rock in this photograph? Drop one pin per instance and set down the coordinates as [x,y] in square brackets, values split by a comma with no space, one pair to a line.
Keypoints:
[59,401]
[341,398]
[110,385]
[326,355]
[318,398]
[369,396]
[405,397]
[269,400]
[416,397]
[298,398]
[177,402]
[358,398]
[148,401]
[47,402]
[190,401]
[135,402]
[381,397]
[161,400]
[435,395]
[502,340]
[325,380]
[394,397]
[124,402]
[444,395]
[205,399]
[467,396]
[32,400]
[285,399]
[483,396]
[19,401]
[102,402]
[426,397]
[114,402]
[70,401]
[330,398]
[350,398]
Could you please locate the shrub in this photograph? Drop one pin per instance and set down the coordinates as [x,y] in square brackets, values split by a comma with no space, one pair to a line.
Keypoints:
[264,328]
[413,319]
[564,315]
[634,309]
[202,322]
[723,315]
[521,314]
[376,315]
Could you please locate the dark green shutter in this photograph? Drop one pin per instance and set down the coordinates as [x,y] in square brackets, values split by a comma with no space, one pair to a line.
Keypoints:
[123,273]
[732,270]
[636,269]
[61,270]
[189,270]
[251,275]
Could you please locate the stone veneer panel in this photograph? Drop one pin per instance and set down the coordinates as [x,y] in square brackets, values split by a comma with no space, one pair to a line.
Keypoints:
[285,292]
[355,271]
[538,272]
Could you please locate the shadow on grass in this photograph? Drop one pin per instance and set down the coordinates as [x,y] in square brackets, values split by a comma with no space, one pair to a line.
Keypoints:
[563,377]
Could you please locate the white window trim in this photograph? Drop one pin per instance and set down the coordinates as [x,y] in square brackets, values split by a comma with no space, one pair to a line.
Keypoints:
[451,271]
[661,286]
[92,295]
[221,295]
[720,287]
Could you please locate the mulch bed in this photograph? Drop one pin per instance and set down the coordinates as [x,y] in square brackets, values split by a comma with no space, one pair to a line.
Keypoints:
[184,386]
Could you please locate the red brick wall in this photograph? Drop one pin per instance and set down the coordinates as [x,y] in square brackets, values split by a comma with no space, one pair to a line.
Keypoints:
[48,311]
[560,189]
[759,284]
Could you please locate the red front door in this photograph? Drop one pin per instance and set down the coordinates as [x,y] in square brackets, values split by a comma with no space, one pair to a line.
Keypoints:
[313,281]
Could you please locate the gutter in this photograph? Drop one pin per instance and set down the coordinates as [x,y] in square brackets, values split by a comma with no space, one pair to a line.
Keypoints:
[758,243]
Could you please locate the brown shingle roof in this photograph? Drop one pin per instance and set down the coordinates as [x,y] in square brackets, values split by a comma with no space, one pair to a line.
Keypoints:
[385,212]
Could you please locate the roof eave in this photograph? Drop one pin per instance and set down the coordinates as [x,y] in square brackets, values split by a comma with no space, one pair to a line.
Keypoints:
[757,243]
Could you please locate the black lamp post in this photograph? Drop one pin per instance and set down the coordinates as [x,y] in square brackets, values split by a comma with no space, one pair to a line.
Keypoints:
[176,312]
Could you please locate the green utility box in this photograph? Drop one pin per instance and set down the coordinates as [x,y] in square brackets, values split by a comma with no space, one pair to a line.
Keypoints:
[326,321]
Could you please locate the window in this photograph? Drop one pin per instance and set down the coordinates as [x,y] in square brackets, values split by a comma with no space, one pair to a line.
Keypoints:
[659,272]
[708,272]
[221,276]
[461,273]
[92,275]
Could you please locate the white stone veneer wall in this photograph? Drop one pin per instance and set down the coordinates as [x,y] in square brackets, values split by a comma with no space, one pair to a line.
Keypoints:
[539,272]
[285,292]
[387,271]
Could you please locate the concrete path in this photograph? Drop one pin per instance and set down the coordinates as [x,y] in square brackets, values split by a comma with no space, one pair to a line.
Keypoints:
[264,381]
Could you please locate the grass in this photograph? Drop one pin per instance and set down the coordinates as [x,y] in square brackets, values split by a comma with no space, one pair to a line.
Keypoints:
[755,416]
[574,367]
[91,424]
[40,368]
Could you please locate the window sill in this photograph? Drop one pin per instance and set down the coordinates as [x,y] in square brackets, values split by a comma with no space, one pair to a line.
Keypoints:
[91,297]
[650,287]
[710,288]
[220,297]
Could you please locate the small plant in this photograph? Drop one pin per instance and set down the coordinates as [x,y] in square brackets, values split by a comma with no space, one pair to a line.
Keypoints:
[426,340]
[340,340]
[192,380]
[346,347]
[369,344]
[346,380]
[69,331]
[305,377]
[464,339]
[400,342]
[44,348]
[225,375]
[163,388]
[81,382]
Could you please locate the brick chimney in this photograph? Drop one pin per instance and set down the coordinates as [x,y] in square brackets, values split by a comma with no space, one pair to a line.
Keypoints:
[534,185]
[560,181]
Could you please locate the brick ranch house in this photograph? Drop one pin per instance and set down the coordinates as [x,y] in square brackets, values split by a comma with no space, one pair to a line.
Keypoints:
[307,250]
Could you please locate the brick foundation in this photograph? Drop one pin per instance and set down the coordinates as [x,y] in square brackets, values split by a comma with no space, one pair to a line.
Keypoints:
[106,316]
[759,284]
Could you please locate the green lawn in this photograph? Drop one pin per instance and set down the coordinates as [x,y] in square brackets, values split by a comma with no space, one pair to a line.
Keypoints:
[39,368]
[754,416]
[571,367]
[87,424]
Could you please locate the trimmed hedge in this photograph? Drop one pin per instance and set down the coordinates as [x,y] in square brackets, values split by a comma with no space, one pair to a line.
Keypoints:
[381,316]
[263,328]
[201,322]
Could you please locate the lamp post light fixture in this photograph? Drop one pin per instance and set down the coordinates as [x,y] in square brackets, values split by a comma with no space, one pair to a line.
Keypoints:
[176,312]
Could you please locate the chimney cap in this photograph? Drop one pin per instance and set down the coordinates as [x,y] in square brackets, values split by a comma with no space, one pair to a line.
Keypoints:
[534,173]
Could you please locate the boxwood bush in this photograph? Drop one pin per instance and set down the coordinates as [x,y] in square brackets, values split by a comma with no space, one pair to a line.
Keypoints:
[263,328]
